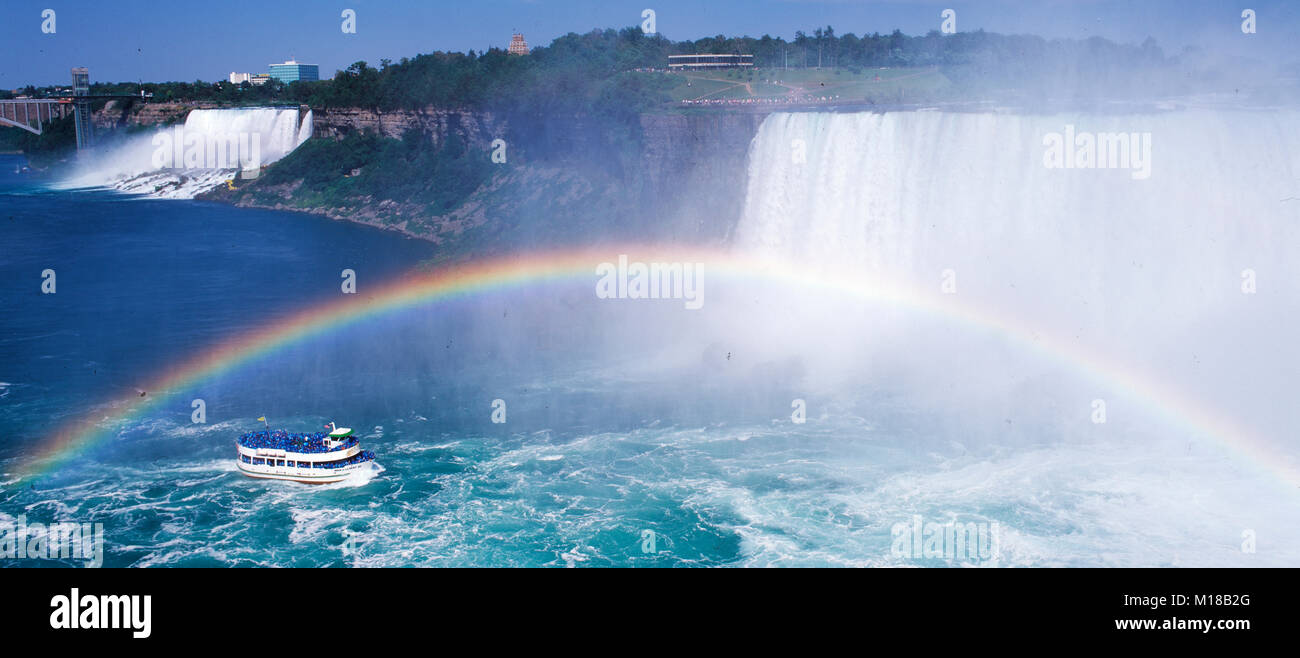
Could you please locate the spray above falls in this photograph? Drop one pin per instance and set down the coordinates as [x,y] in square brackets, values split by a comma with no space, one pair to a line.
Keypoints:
[1136,209]
[211,147]
[1162,241]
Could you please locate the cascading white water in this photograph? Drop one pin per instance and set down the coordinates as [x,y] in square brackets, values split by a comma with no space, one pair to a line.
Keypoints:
[182,161]
[1186,270]
[908,195]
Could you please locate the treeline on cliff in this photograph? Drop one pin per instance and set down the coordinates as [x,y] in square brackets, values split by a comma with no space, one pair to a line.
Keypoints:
[595,75]
[571,115]
[589,72]
[408,170]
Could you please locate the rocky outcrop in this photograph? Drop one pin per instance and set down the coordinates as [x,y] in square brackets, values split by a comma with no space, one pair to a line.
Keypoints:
[118,114]
[687,180]
[669,175]
[694,168]
[477,128]
[707,145]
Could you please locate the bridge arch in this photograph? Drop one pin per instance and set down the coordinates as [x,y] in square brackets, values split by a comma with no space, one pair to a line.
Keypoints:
[31,114]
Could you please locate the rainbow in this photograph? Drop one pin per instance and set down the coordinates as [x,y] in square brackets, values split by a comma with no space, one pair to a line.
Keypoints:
[520,270]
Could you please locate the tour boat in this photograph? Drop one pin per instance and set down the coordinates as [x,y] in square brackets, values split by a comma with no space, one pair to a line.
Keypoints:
[311,458]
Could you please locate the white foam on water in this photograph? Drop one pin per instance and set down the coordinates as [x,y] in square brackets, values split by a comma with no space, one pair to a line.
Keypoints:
[132,165]
[358,478]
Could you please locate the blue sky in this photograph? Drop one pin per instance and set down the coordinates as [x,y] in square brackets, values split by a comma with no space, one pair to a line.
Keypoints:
[123,40]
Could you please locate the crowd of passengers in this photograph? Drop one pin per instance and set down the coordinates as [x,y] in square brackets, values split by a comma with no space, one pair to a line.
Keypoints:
[363,456]
[281,440]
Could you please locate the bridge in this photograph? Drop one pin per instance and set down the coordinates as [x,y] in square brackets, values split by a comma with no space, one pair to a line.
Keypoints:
[31,114]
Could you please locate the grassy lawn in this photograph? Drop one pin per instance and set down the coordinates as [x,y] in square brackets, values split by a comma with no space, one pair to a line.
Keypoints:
[692,86]
[877,85]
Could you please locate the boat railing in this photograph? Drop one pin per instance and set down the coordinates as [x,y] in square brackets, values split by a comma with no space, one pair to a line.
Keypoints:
[359,457]
[301,443]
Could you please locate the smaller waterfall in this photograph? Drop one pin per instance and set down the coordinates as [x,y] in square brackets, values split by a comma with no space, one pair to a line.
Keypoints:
[212,146]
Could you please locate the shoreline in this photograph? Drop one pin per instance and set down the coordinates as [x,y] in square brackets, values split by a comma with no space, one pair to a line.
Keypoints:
[329,213]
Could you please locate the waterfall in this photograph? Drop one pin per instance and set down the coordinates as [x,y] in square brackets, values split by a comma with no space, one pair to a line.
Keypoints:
[1181,264]
[909,195]
[209,148]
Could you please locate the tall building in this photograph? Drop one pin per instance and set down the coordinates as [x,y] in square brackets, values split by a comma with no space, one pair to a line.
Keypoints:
[81,107]
[237,78]
[517,45]
[292,71]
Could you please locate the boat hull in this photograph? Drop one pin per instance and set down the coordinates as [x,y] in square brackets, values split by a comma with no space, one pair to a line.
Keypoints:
[297,475]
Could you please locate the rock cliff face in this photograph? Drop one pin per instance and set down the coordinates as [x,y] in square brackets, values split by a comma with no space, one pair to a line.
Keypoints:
[683,156]
[118,114]
[476,128]
[685,182]
[696,146]
[668,176]
[695,169]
